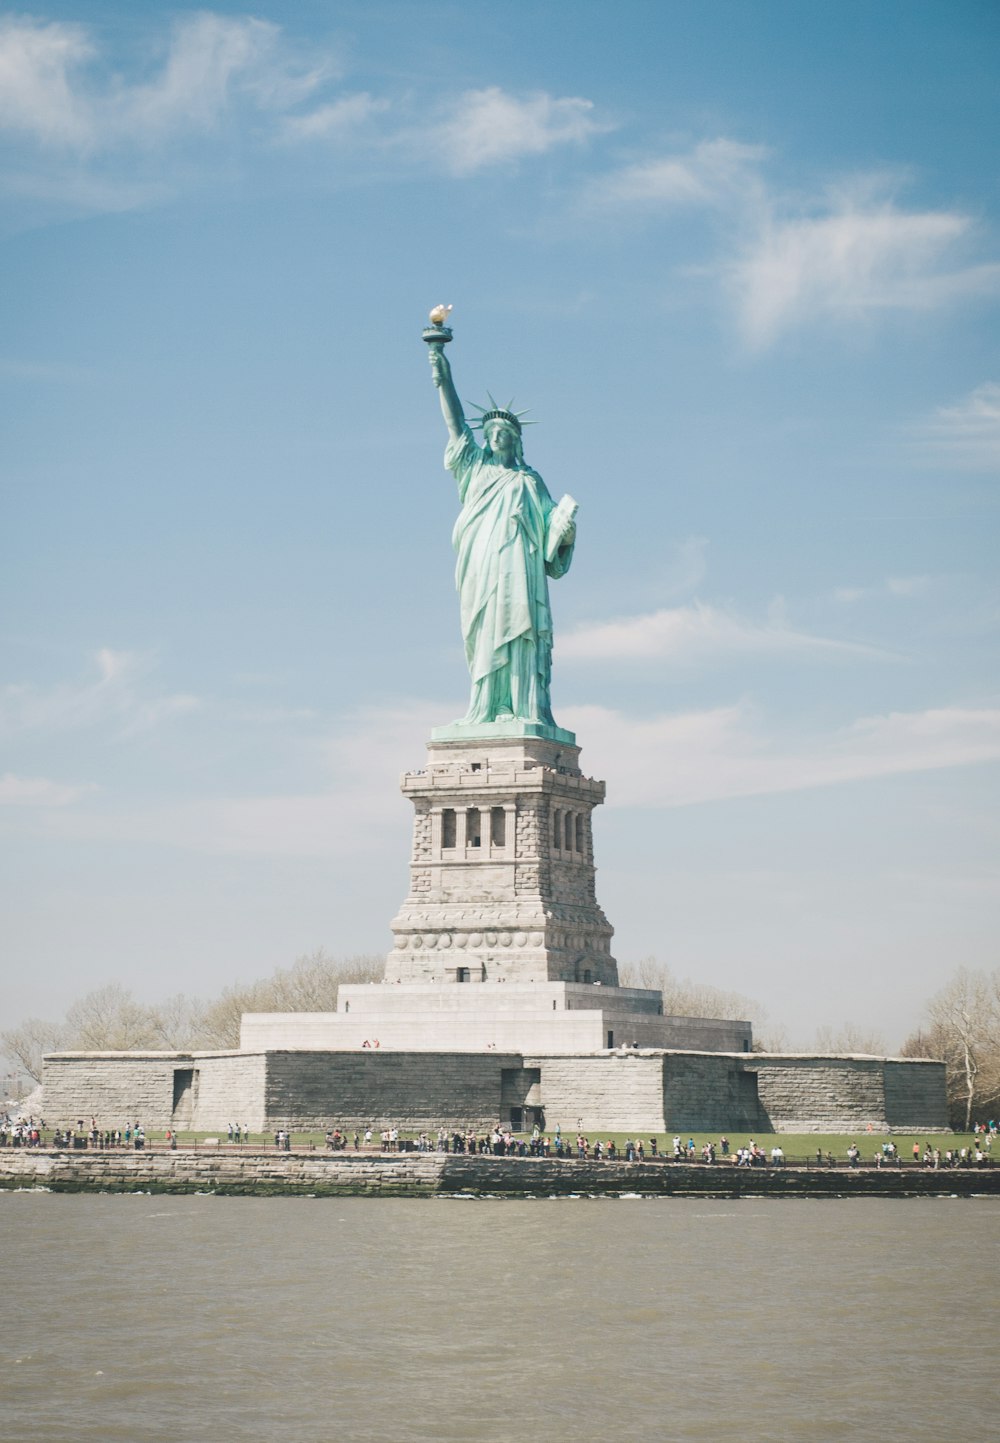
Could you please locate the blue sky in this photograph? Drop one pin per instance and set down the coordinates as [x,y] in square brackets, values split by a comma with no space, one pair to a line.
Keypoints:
[742,261]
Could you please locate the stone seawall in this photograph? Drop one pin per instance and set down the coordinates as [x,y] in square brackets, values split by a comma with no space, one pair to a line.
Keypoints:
[247,1172]
[260,1174]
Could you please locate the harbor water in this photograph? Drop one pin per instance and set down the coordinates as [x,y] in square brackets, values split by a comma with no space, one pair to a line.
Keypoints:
[161,1319]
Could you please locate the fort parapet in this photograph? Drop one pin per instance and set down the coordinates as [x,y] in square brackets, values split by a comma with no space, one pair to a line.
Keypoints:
[649,1090]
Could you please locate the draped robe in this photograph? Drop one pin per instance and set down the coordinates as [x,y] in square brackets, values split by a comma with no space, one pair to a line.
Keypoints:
[501,573]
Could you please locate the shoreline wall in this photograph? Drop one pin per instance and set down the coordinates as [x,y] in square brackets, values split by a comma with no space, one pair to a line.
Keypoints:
[259,1174]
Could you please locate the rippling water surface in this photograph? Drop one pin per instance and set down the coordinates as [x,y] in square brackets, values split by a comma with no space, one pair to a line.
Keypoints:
[219,1320]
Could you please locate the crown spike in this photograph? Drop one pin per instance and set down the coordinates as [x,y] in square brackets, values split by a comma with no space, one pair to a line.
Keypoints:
[494,412]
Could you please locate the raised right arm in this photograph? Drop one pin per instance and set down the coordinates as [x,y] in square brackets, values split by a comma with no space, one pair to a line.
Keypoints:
[451,406]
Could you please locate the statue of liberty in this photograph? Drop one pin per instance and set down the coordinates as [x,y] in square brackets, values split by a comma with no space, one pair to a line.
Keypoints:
[510,537]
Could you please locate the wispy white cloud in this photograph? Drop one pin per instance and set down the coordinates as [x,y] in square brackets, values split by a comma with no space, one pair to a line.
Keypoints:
[355,807]
[67,185]
[855,258]
[727,752]
[334,120]
[38,792]
[39,86]
[95,139]
[903,587]
[493,127]
[211,59]
[965,435]
[327,824]
[54,90]
[694,632]
[713,173]
[115,697]
[789,259]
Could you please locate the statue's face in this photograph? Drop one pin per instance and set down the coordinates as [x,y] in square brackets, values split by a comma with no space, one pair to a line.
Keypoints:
[502,439]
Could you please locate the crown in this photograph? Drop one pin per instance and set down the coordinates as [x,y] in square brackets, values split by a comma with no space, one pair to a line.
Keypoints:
[493,412]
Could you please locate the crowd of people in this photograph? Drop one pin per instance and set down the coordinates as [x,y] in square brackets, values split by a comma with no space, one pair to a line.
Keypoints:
[22,1133]
[30,1132]
[502,1141]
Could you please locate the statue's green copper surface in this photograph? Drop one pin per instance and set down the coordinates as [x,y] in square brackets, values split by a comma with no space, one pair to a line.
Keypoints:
[510,537]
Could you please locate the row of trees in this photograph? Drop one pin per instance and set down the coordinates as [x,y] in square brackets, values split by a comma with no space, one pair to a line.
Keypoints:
[110,1018]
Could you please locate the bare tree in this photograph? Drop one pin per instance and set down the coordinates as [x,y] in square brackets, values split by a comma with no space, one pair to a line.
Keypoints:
[963,1030]
[109,1020]
[178,1024]
[220,1025]
[311,984]
[850,1038]
[684,998]
[965,1026]
[27,1044]
[770,1037]
[918,1044]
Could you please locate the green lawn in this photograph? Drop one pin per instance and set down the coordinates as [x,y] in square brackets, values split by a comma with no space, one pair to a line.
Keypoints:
[797,1147]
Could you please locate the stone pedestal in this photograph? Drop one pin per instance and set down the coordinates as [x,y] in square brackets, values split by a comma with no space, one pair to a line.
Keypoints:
[502,869]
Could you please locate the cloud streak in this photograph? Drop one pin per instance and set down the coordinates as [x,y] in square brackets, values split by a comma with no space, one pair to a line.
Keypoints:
[901,587]
[333,121]
[53,92]
[788,260]
[715,173]
[857,259]
[84,137]
[355,808]
[39,96]
[18,791]
[694,633]
[664,761]
[964,436]
[683,759]
[114,697]
[493,127]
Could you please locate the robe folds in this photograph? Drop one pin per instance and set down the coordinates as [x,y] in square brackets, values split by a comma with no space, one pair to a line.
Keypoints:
[501,538]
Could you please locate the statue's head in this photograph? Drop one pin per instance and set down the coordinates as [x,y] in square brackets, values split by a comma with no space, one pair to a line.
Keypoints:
[501,426]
